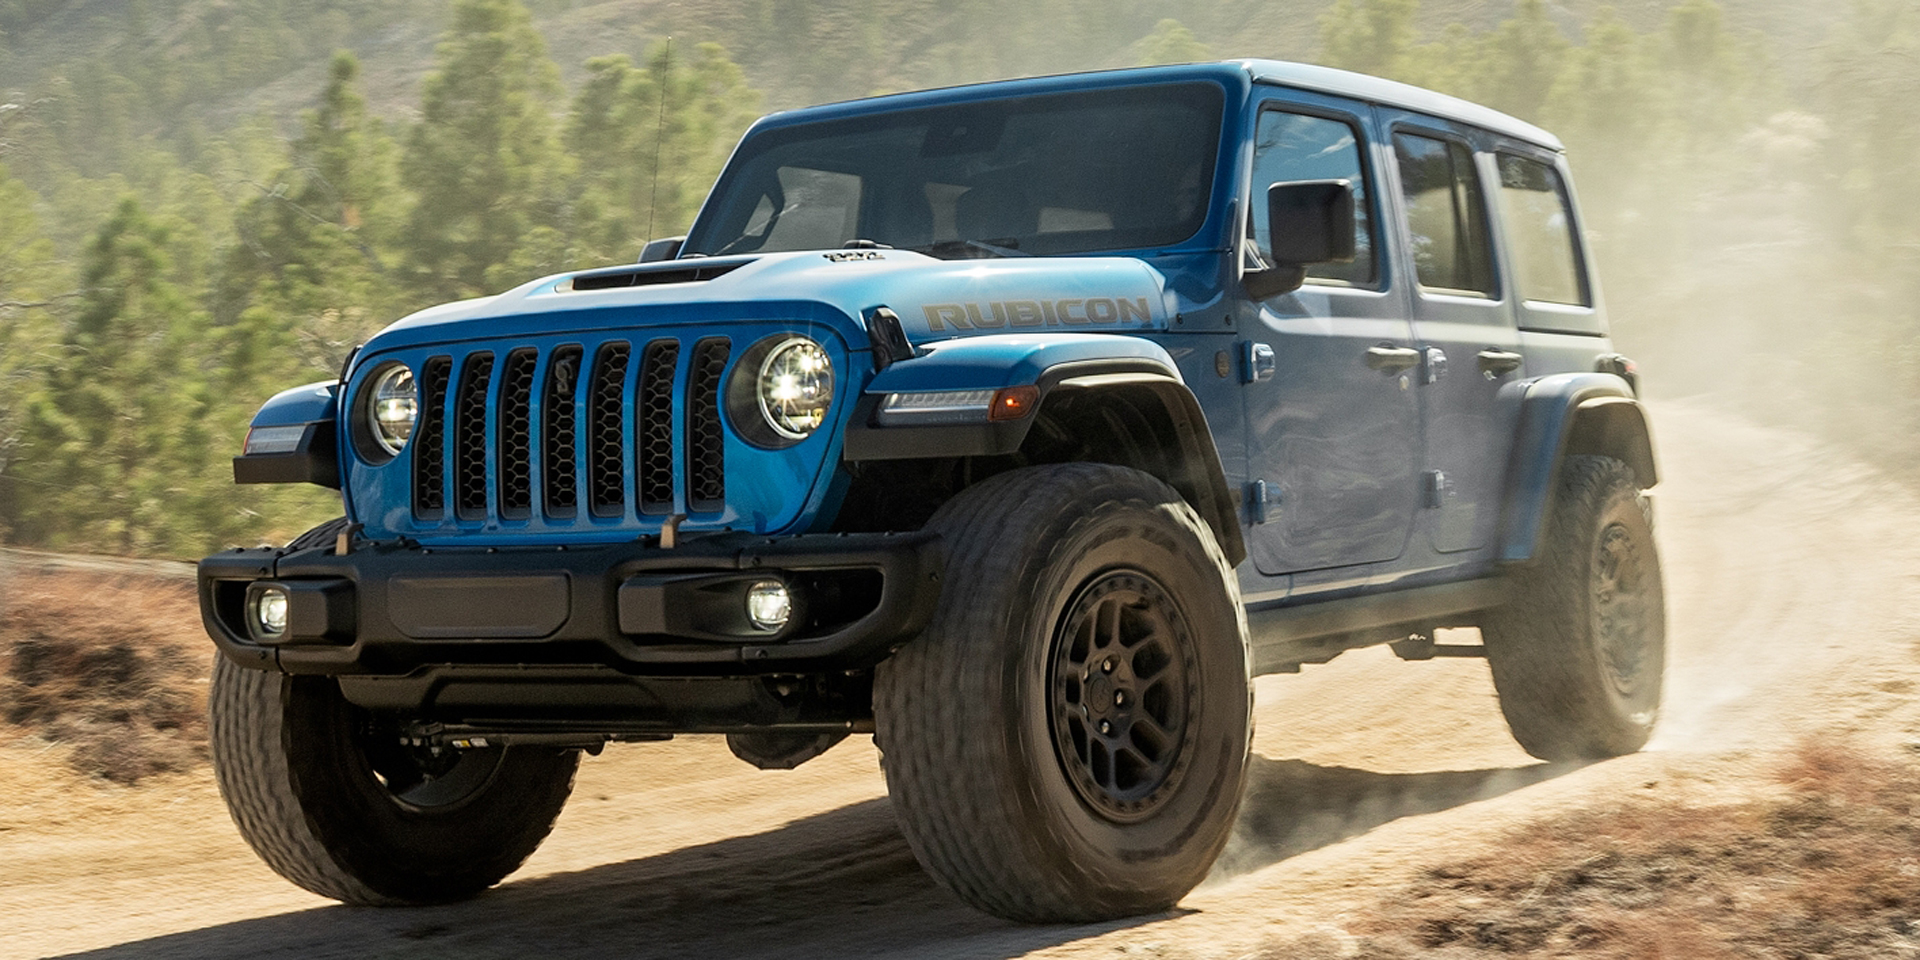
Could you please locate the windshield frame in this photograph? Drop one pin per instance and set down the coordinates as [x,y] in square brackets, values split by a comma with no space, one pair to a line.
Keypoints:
[1213,233]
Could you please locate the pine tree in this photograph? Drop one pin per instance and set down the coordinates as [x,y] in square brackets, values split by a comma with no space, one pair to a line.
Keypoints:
[314,248]
[29,275]
[119,453]
[649,143]
[1170,42]
[1369,36]
[483,162]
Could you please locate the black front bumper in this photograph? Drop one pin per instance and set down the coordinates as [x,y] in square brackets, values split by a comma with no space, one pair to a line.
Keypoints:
[636,609]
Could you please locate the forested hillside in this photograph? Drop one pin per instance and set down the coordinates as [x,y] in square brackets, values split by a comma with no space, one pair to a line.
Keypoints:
[204,202]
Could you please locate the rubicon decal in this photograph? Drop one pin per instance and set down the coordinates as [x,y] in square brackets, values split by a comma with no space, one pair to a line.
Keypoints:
[994,314]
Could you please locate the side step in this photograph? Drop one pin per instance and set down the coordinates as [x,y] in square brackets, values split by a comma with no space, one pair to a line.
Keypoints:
[1286,636]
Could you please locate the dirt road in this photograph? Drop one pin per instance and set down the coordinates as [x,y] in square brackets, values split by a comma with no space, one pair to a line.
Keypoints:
[1793,575]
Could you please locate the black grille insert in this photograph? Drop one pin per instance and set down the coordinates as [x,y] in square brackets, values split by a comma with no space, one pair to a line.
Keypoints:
[606,430]
[706,442]
[653,433]
[561,438]
[470,438]
[516,433]
[429,440]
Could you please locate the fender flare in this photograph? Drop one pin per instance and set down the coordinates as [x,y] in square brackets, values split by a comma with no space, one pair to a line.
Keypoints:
[314,458]
[1056,365]
[1566,415]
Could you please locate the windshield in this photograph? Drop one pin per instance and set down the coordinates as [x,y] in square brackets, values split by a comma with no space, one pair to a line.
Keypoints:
[1040,175]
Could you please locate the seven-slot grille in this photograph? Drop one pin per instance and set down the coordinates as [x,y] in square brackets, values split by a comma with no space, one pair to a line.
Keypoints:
[600,439]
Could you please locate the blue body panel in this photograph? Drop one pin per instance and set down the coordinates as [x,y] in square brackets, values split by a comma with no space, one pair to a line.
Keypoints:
[991,362]
[309,403]
[1342,446]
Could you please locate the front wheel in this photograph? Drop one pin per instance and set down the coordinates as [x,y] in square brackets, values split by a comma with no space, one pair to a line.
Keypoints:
[1068,740]
[1579,655]
[332,799]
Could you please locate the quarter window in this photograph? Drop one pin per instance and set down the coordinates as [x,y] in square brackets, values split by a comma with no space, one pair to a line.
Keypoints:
[1446,215]
[1537,221]
[1292,147]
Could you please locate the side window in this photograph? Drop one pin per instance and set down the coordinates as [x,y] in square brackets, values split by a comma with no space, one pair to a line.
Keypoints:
[1537,221]
[1446,215]
[1290,147]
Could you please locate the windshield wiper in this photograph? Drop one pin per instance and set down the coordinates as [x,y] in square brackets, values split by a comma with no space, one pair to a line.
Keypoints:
[972,249]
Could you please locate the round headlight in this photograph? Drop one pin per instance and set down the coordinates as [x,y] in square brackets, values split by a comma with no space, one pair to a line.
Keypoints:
[795,388]
[393,404]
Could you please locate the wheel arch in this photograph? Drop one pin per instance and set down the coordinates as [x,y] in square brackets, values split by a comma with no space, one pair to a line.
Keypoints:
[1124,405]
[1561,416]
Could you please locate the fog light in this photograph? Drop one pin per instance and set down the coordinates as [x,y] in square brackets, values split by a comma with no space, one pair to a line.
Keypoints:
[769,604]
[270,612]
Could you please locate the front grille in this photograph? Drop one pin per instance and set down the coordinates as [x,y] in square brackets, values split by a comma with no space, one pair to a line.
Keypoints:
[516,434]
[430,441]
[706,446]
[606,425]
[534,431]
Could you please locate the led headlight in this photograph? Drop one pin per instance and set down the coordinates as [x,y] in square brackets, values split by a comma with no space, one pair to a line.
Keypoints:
[391,408]
[795,388]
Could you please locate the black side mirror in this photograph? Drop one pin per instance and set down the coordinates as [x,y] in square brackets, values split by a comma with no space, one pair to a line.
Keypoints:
[657,250]
[1310,221]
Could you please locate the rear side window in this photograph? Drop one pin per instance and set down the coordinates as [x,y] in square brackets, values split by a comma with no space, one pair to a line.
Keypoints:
[1291,147]
[1446,215]
[1538,223]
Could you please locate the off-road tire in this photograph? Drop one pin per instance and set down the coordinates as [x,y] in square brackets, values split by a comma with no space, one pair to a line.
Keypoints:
[296,764]
[999,801]
[1579,653]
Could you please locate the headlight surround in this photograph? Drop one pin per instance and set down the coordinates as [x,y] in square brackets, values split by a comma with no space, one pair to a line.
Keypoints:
[389,408]
[781,390]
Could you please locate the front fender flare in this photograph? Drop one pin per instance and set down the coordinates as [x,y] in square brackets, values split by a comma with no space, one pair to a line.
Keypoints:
[315,457]
[1056,364]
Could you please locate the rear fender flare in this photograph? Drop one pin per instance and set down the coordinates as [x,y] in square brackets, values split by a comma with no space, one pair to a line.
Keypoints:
[1566,415]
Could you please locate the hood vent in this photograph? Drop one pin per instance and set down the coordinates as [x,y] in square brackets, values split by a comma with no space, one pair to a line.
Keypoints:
[652,275]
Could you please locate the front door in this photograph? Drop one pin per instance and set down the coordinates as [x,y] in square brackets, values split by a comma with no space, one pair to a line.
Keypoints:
[1329,371]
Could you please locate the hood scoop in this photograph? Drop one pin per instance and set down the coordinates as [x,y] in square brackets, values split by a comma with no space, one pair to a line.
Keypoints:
[683,272]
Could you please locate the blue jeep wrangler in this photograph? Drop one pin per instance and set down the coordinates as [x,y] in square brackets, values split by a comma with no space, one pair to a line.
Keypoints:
[1019,425]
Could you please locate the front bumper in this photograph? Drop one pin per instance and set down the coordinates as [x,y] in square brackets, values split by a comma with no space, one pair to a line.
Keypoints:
[391,609]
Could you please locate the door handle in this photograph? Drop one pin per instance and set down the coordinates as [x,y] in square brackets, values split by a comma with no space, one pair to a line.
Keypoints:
[1390,359]
[1495,361]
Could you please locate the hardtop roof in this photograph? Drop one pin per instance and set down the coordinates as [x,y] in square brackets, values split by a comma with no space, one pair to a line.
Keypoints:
[1301,76]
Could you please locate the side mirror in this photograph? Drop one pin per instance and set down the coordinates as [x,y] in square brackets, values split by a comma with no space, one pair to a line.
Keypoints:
[657,250]
[1310,221]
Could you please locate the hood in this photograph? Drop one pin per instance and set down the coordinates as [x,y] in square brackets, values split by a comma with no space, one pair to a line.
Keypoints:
[935,299]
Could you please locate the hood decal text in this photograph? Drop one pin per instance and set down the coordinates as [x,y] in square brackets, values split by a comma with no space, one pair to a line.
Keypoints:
[995,314]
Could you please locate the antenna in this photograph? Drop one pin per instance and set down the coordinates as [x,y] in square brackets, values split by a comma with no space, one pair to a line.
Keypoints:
[659,138]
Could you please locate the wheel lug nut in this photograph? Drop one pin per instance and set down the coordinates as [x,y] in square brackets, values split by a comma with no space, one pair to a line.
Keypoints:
[1107,667]
[1120,698]
[1105,728]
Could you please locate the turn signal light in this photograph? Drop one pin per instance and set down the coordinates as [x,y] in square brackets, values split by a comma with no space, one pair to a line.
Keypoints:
[1012,403]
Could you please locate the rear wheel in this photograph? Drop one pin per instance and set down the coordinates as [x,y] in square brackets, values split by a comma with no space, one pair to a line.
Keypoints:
[1579,656]
[1067,741]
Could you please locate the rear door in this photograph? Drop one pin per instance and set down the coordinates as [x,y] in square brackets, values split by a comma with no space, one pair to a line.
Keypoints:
[1463,324]
[1332,423]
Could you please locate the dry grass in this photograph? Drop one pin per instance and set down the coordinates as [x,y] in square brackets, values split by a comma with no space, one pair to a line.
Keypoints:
[1828,867]
[113,666]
